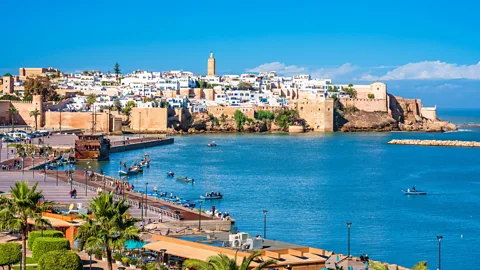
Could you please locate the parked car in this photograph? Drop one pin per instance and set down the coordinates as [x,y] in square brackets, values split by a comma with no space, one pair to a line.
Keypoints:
[11,139]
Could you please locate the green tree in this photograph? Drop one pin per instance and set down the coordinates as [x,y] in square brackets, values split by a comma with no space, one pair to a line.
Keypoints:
[331,89]
[12,111]
[223,262]
[240,119]
[117,105]
[40,86]
[35,113]
[16,211]
[244,86]
[110,229]
[117,71]
[350,91]
[264,115]
[60,260]
[92,98]
[9,97]
[10,254]
[86,72]
[285,118]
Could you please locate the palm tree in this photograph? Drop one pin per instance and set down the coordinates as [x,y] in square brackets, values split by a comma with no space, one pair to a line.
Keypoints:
[223,262]
[12,111]
[24,205]
[111,227]
[35,113]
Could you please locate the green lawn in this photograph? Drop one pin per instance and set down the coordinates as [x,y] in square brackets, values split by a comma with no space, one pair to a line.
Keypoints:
[29,261]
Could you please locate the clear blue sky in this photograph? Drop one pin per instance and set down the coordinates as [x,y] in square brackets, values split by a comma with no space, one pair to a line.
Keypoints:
[345,40]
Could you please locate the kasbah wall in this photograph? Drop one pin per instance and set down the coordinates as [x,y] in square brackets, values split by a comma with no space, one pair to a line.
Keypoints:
[149,119]
[77,120]
[24,108]
[319,115]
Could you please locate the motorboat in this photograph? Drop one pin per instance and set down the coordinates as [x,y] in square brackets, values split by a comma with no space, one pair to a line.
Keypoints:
[171,174]
[414,192]
[212,144]
[185,179]
[211,197]
[128,172]
[145,162]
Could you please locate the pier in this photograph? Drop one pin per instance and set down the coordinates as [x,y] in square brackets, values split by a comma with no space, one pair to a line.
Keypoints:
[437,143]
[138,143]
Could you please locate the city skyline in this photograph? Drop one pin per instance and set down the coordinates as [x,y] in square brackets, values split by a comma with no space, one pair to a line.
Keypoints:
[421,49]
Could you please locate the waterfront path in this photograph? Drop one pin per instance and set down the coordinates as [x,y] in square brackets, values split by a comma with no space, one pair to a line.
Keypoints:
[156,208]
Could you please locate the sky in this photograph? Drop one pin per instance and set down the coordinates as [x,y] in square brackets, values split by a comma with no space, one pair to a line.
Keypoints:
[421,49]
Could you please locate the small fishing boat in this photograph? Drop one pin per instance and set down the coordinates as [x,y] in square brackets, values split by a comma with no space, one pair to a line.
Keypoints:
[185,179]
[128,172]
[414,192]
[211,197]
[212,144]
[145,162]
[171,174]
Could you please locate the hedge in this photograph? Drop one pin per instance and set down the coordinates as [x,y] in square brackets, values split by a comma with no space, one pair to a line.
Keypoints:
[43,245]
[10,253]
[60,260]
[35,234]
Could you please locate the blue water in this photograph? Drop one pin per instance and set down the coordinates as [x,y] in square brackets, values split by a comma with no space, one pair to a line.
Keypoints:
[312,184]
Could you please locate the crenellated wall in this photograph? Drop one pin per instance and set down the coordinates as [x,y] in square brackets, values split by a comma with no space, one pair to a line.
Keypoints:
[147,119]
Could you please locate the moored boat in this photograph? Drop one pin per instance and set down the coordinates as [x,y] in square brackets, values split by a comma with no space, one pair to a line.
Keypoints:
[128,172]
[185,179]
[212,196]
[212,144]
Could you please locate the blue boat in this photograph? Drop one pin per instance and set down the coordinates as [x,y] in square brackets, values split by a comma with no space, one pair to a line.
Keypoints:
[211,197]
[128,172]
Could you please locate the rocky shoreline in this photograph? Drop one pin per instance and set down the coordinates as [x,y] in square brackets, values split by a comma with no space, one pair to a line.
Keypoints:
[437,143]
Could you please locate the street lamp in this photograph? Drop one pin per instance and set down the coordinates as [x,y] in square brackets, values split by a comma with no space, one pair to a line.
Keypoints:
[265,224]
[33,165]
[349,224]
[146,198]
[70,174]
[200,216]
[439,238]
[86,172]
[56,166]
[162,251]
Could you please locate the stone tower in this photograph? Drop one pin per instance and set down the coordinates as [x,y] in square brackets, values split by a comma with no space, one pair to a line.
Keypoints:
[211,65]
[8,87]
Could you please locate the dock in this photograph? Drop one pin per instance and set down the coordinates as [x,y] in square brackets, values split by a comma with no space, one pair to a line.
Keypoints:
[449,143]
[138,143]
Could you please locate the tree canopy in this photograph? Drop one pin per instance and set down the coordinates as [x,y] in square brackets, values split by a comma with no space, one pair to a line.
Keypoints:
[40,86]
[223,262]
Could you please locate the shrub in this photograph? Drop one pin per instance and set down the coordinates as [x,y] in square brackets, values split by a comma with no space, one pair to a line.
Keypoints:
[117,257]
[350,109]
[60,260]
[133,261]
[35,234]
[371,96]
[240,118]
[262,115]
[43,245]
[10,253]
[125,261]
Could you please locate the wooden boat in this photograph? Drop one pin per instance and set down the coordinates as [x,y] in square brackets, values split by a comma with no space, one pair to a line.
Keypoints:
[128,172]
[145,162]
[416,192]
[185,179]
[213,197]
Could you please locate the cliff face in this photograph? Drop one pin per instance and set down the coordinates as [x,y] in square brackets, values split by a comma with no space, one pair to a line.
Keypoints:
[405,116]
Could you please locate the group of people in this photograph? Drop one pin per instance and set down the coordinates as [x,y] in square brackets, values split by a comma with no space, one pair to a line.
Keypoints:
[16,165]
[364,258]
[213,194]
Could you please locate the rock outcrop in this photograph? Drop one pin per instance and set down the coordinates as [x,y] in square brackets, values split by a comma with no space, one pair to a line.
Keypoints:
[367,121]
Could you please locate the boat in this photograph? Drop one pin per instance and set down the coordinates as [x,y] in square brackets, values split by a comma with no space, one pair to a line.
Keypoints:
[212,144]
[171,174]
[145,162]
[128,172]
[416,192]
[211,197]
[185,179]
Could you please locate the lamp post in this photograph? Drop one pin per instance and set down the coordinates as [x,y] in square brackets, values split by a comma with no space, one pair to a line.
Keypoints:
[349,224]
[265,224]
[70,176]
[33,165]
[23,163]
[86,172]
[439,238]
[200,216]
[141,204]
[56,163]
[163,256]
[146,199]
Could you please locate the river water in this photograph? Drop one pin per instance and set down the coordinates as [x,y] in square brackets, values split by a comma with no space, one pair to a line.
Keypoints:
[312,184]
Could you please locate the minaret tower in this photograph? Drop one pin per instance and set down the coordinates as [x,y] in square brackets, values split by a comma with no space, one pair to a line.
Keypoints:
[211,65]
